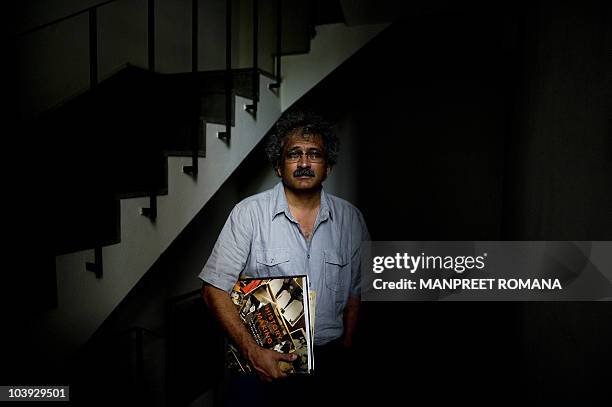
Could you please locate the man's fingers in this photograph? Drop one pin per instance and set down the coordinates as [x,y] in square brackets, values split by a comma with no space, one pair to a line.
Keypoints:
[287,357]
[269,364]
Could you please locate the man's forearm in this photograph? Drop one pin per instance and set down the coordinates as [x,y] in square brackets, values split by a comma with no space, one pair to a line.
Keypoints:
[351,312]
[220,303]
[264,361]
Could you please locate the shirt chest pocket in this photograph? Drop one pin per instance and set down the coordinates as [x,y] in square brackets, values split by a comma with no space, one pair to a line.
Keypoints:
[337,274]
[273,263]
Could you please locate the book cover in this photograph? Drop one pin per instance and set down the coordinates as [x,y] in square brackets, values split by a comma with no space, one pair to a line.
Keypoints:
[278,313]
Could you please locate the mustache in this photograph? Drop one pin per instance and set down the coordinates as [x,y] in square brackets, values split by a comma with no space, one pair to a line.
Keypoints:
[304,172]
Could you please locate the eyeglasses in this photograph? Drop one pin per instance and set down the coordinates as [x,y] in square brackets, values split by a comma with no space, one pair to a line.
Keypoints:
[314,156]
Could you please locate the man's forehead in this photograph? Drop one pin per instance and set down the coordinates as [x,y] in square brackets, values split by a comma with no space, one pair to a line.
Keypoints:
[304,140]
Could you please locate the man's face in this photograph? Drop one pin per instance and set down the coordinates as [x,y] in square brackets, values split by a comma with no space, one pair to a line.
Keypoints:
[303,165]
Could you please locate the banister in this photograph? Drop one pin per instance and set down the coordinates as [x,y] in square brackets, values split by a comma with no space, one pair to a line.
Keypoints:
[195,95]
[151,34]
[252,108]
[227,134]
[96,267]
[59,20]
[279,18]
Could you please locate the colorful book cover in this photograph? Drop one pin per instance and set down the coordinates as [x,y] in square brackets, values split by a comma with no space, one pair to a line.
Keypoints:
[278,314]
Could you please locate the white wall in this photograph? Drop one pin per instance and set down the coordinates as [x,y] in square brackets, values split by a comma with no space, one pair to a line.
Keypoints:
[84,301]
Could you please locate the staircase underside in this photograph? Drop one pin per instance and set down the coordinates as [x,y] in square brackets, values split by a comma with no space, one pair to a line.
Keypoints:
[113,141]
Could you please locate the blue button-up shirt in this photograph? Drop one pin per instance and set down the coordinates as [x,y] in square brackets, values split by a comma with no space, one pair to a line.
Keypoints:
[262,239]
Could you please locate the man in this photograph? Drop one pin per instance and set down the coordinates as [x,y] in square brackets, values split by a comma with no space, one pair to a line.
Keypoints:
[293,229]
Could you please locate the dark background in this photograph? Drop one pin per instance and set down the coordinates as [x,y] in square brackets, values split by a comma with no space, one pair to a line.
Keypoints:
[479,122]
[493,125]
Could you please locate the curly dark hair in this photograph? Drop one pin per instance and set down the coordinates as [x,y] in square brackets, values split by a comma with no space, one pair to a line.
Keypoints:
[309,123]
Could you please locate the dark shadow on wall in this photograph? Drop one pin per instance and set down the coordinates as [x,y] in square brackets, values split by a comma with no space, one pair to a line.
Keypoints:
[488,123]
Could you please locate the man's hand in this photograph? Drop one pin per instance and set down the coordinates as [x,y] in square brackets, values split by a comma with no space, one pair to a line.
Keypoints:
[266,362]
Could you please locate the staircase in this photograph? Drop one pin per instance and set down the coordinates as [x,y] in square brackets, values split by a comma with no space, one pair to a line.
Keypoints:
[133,158]
[140,110]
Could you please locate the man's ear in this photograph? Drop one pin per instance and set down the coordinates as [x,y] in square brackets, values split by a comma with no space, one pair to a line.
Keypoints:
[328,170]
[277,171]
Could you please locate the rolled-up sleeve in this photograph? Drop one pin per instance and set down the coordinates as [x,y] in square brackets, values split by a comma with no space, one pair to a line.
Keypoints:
[231,251]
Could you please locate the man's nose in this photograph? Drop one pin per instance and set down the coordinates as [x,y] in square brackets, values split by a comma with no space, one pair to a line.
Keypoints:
[304,161]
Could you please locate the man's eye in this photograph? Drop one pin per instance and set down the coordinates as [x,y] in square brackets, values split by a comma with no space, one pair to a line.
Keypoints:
[294,154]
[315,154]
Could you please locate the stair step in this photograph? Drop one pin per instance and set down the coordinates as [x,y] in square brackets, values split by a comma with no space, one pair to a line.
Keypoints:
[213,108]
[184,153]
[214,81]
[141,194]
[104,145]
[113,141]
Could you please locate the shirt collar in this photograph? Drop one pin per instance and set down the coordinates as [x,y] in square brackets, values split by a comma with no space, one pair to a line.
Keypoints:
[281,206]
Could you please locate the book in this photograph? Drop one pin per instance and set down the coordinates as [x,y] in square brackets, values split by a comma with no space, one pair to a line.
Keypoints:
[279,315]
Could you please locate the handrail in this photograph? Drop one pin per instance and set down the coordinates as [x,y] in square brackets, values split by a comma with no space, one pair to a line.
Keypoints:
[151,34]
[227,134]
[59,20]
[96,266]
[93,35]
[195,103]
[279,17]
[151,211]
[252,108]
[194,36]
[228,71]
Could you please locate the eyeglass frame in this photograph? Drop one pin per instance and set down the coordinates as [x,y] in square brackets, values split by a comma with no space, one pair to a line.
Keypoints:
[308,154]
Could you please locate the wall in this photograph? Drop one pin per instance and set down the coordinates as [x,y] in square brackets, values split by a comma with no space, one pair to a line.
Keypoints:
[494,126]
[561,156]
[559,179]
[332,45]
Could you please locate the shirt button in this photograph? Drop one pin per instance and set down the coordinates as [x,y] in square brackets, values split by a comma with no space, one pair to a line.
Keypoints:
[308,255]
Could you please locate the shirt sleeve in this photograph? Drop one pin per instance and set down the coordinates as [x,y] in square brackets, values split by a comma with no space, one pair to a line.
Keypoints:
[231,251]
[360,235]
